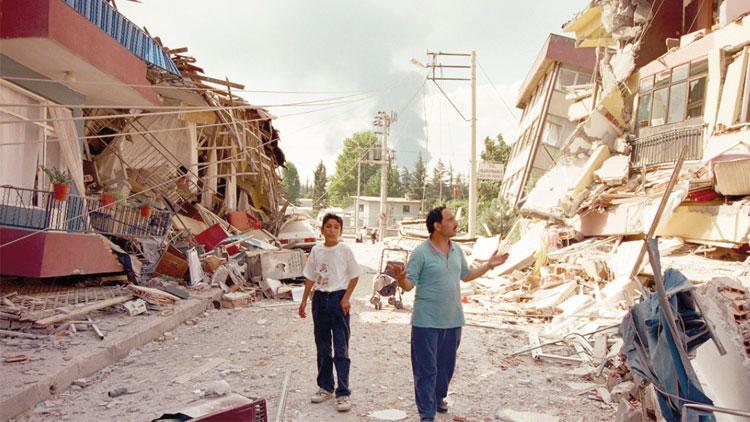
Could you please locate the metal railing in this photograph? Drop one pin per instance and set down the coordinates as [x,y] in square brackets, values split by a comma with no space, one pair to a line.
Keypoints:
[664,147]
[36,209]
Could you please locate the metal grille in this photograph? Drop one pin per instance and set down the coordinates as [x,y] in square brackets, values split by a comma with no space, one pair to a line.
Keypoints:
[664,147]
[35,209]
[117,26]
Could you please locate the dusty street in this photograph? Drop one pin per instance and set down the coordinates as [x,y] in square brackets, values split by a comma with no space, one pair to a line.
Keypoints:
[257,345]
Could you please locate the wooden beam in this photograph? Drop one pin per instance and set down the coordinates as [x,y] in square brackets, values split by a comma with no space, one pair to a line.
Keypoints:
[178,50]
[84,310]
[219,81]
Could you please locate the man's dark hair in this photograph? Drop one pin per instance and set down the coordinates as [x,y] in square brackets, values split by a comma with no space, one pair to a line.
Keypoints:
[331,216]
[434,216]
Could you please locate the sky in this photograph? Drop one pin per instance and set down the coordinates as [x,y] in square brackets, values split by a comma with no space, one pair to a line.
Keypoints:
[351,59]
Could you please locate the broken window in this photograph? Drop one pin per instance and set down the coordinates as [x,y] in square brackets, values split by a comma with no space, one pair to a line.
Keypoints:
[696,97]
[659,107]
[677,96]
[405,209]
[672,95]
[644,110]
[566,78]
[551,134]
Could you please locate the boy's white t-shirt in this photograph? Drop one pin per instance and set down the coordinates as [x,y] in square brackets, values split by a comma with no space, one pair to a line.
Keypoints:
[331,268]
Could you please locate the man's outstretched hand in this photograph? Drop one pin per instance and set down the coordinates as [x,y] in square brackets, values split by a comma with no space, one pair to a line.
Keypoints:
[498,259]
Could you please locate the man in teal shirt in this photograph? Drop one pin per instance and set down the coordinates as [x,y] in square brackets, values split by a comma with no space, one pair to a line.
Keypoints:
[435,269]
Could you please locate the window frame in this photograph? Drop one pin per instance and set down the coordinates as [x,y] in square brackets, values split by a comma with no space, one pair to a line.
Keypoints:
[648,86]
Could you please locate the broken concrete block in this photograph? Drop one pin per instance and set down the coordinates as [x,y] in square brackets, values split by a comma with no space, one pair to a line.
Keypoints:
[614,170]
[270,287]
[135,307]
[627,413]
[235,300]
[220,277]
[548,298]
[596,269]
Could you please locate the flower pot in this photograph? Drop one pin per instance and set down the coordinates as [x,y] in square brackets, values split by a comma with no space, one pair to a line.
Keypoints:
[61,191]
[107,200]
[146,211]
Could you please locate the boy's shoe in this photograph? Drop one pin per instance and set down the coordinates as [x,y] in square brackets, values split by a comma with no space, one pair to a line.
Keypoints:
[321,395]
[442,407]
[343,403]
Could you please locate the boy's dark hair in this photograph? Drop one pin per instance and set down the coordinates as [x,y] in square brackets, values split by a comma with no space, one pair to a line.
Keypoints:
[434,216]
[331,216]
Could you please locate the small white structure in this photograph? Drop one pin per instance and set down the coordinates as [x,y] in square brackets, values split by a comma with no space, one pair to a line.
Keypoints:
[369,209]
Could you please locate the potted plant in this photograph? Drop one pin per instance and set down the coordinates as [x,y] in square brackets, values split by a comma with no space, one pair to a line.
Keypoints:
[60,183]
[146,208]
[107,199]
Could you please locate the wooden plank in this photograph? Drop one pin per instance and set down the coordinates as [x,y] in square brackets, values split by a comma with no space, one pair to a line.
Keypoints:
[178,50]
[76,312]
[213,363]
[657,217]
[204,78]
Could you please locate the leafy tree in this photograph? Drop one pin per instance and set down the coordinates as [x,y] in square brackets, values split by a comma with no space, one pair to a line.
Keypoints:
[290,183]
[344,181]
[437,190]
[320,199]
[372,186]
[497,213]
[495,150]
[416,185]
[405,181]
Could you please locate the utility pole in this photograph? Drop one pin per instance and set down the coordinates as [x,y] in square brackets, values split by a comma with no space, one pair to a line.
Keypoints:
[356,201]
[383,121]
[434,76]
[473,188]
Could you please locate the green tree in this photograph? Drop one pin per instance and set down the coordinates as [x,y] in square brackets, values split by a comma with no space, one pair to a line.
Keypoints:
[494,212]
[319,196]
[437,191]
[344,180]
[290,183]
[495,150]
[405,181]
[372,186]
[416,185]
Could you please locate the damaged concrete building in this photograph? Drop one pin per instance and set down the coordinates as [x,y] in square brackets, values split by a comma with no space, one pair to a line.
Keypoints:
[660,148]
[151,147]
[544,124]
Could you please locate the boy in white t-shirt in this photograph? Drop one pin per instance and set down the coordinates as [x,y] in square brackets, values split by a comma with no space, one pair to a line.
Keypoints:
[332,272]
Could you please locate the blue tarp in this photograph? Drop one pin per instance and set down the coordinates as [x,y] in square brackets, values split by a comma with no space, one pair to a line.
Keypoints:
[651,350]
[117,26]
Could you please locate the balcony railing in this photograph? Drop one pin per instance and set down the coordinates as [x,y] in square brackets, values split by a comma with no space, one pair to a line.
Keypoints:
[36,209]
[664,147]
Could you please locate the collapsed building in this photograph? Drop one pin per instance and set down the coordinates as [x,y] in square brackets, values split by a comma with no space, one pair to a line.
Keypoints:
[658,150]
[154,150]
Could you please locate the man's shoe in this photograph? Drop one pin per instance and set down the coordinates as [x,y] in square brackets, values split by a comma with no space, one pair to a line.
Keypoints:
[321,395]
[343,403]
[442,407]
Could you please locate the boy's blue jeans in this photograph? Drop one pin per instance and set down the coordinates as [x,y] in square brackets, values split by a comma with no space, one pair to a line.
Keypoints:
[433,359]
[331,325]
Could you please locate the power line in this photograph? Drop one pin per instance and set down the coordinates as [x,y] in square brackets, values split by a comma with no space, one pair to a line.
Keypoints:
[507,107]
[171,87]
